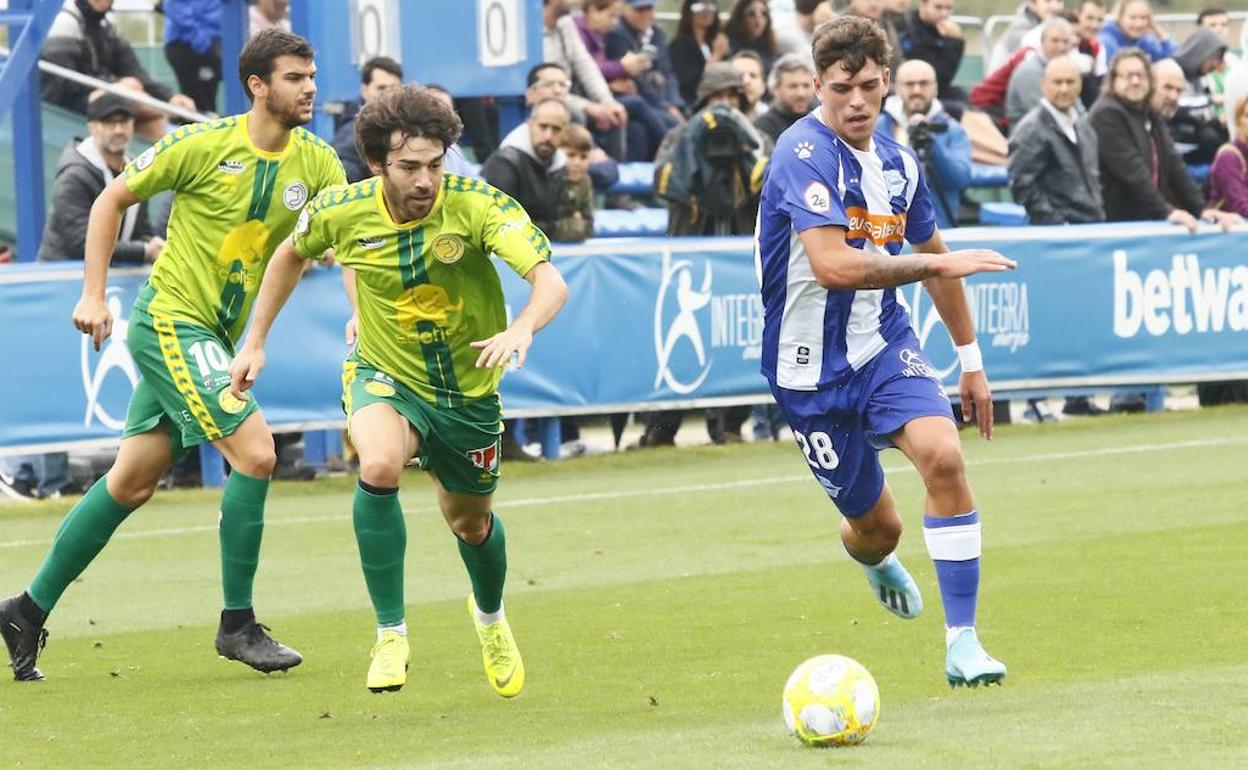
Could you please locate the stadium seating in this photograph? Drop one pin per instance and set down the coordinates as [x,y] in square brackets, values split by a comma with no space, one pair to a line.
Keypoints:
[1002,214]
[616,223]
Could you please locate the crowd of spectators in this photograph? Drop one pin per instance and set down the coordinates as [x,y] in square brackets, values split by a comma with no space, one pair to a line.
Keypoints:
[1097,113]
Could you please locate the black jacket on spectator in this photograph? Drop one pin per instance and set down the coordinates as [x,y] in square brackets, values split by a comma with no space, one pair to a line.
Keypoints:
[344,145]
[658,85]
[773,122]
[920,40]
[1056,180]
[79,181]
[688,62]
[1126,160]
[516,170]
[83,40]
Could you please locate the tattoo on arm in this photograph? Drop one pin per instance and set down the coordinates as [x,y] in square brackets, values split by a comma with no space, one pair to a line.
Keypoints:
[881,272]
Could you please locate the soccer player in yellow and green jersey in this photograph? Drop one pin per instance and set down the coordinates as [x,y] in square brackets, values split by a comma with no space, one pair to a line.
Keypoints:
[433,337]
[239,185]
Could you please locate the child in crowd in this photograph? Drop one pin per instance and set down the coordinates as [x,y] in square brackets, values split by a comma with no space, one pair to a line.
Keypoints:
[576,194]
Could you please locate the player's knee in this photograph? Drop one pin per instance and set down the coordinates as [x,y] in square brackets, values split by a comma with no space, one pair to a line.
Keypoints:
[131,493]
[942,462]
[259,462]
[473,530]
[380,471]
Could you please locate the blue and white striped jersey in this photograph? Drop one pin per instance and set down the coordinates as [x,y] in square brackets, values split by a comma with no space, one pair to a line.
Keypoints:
[813,337]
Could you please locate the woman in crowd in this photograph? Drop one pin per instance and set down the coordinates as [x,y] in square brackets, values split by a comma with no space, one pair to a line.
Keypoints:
[697,43]
[1133,26]
[1228,178]
[749,29]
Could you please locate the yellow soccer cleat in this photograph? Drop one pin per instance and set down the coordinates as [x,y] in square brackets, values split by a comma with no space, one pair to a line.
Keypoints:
[388,671]
[503,667]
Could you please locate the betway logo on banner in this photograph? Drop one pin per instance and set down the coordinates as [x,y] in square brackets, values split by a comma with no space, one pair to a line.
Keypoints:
[1185,299]
[691,321]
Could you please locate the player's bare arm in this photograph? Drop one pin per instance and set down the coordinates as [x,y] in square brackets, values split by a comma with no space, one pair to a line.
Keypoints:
[91,314]
[837,265]
[548,294]
[352,329]
[280,279]
[950,300]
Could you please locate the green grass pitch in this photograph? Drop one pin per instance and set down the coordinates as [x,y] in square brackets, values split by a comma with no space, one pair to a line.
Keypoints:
[660,600]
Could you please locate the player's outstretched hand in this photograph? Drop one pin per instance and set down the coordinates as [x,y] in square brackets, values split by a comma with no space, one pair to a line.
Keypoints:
[977,401]
[959,264]
[244,369]
[92,317]
[497,350]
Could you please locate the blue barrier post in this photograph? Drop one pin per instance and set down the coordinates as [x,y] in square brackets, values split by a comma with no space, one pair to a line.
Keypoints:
[211,466]
[551,436]
[1155,398]
[319,446]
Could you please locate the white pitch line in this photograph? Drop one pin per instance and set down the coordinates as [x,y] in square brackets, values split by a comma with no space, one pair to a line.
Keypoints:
[684,489]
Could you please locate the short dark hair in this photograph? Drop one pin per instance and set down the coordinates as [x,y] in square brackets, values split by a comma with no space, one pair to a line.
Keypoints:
[383,63]
[1214,11]
[850,41]
[576,138]
[412,111]
[532,76]
[262,51]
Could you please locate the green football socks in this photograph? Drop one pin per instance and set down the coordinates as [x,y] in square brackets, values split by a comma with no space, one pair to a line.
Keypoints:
[240,530]
[381,535]
[82,535]
[487,566]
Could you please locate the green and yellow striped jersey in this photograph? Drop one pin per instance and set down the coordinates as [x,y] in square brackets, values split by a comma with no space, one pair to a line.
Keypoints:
[233,204]
[426,289]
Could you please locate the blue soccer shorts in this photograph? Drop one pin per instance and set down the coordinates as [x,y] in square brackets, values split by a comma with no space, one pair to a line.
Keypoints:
[841,430]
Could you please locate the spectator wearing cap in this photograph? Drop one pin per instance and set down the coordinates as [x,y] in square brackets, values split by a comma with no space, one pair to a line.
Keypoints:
[82,39]
[85,168]
[376,76]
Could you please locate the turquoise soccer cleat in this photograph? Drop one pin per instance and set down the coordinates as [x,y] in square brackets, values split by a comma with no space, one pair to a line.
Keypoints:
[895,589]
[967,664]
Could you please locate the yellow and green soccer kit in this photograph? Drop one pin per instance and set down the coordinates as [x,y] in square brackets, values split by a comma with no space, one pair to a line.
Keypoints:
[233,205]
[425,290]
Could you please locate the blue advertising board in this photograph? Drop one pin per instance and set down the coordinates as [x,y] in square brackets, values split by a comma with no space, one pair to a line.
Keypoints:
[657,323]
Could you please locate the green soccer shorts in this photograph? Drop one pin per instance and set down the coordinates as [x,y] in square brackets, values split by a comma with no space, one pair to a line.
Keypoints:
[459,446]
[185,382]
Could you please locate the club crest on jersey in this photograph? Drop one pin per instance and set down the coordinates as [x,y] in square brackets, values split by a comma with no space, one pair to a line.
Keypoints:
[231,404]
[817,197]
[803,150]
[370,243]
[231,167]
[145,160]
[447,248]
[485,458]
[295,195]
[895,181]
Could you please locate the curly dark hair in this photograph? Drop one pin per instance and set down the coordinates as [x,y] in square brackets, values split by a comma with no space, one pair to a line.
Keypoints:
[262,51]
[413,112]
[850,41]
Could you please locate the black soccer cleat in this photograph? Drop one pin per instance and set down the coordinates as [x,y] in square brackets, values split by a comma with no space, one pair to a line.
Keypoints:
[21,625]
[253,646]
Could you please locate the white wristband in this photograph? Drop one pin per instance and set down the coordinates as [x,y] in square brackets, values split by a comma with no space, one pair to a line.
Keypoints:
[971,358]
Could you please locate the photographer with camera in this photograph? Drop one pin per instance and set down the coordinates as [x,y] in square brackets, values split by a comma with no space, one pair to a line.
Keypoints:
[914,117]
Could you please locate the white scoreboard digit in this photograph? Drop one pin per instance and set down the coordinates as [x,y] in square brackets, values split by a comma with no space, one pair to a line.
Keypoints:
[500,32]
[375,30]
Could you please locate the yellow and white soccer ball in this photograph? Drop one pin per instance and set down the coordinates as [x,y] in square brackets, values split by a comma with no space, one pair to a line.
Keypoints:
[831,700]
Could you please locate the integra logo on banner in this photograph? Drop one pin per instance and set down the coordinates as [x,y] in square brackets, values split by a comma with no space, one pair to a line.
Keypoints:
[107,398]
[1000,312]
[1185,299]
[691,321]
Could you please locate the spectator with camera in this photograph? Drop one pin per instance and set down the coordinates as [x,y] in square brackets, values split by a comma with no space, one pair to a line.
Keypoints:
[929,33]
[792,94]
[915,117]
[1054,162]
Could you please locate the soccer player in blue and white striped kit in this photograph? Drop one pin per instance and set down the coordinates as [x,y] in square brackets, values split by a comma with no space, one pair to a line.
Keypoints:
[839,351]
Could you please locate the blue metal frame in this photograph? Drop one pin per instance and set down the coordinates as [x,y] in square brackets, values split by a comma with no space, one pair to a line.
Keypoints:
[28,22]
